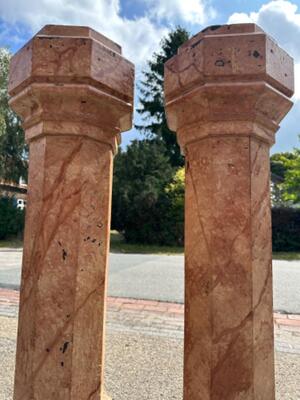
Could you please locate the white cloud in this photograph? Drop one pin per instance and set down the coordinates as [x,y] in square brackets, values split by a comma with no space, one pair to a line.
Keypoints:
[138,37]
[190,11]
[281,20]
[241,18]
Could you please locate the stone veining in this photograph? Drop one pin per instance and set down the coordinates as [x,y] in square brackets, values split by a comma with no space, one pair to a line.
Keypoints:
[225,112]
[74,106]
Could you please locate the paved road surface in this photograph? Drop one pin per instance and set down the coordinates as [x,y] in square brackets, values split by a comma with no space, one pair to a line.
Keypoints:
[156,277]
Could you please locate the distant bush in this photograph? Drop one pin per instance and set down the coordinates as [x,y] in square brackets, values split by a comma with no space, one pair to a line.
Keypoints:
[147,203]
[11,218]
[286,229]
[175,213]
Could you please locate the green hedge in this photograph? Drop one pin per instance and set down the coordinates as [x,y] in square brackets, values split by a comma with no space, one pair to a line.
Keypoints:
[160,226]
[286,229]
[11,218]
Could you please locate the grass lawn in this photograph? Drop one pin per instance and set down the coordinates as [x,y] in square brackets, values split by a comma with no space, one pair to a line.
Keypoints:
[118,245]
[288,256]
[14,243]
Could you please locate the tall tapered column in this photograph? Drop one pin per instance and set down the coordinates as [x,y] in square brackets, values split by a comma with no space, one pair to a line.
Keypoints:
[226,91]
[74,92]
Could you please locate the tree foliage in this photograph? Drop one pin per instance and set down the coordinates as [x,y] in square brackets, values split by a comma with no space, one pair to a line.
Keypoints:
[279,163]
[152,96]
[291,184]
[286,229]
[142,195]
[13,150]
[175,191]
[287,167]
[11,218]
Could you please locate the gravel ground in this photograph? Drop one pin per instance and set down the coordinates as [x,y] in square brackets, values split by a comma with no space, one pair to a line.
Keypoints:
[143,367]
[8,332]
[287,376]
[140,367]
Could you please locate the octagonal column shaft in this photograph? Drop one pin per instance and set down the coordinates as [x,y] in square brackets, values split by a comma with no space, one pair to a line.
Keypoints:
[72,129]
[60,335]
[228,278]
[225,122]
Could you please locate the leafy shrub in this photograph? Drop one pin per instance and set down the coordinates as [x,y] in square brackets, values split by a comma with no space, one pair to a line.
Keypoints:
[11,218]
[142,200]
[286,167]
[148,201]
[286,229]
[175,213]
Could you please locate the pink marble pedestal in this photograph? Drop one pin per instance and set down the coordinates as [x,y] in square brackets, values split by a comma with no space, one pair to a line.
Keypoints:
[226,91]
[74,91]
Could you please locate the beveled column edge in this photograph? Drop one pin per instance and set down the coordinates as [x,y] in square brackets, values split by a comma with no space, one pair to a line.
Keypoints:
[79,31]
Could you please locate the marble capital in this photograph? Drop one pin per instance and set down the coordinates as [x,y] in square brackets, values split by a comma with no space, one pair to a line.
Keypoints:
[228,80]
[73,82]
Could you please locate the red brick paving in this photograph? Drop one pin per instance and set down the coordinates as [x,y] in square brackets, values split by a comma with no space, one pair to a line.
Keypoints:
[291,321]
[11,297]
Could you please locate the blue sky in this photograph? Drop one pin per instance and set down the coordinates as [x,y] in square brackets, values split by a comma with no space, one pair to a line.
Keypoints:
[139,25]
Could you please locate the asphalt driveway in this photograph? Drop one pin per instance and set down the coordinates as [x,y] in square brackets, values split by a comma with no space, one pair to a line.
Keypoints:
[157,277]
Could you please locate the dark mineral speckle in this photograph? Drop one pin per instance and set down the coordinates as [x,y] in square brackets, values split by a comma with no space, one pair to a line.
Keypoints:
[219,63]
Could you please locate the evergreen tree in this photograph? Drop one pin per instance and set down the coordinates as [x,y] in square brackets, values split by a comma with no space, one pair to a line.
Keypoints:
[140,203]
[13,151]
[152,96]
